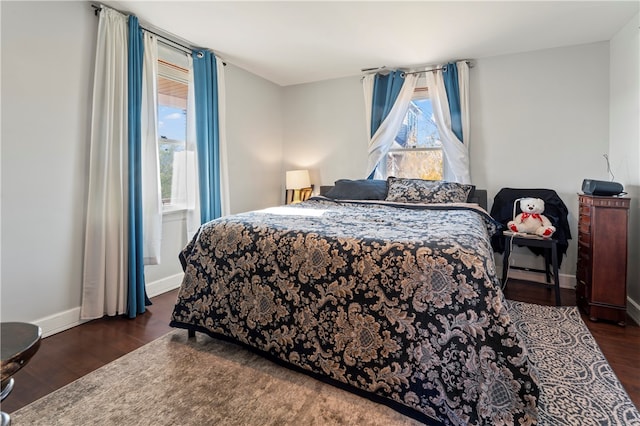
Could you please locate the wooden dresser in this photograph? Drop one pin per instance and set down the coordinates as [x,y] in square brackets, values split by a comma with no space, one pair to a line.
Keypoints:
[601,274]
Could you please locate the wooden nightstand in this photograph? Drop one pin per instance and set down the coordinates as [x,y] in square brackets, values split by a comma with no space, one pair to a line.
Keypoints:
[601,273]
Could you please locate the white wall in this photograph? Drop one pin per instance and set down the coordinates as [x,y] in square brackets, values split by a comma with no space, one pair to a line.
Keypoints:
[325,131]
[47,73]
[624,148]
[254,140]
[47,76]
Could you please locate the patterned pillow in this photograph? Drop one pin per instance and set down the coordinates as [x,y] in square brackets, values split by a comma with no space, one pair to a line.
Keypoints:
[426,191]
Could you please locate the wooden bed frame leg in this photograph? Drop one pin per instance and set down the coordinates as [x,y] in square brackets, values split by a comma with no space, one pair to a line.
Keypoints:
[191,333]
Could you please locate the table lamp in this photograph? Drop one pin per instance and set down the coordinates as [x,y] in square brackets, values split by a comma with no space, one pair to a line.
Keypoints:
[297,180]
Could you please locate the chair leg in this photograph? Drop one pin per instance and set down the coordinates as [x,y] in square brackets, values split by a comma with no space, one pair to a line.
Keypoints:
[547,271]
[554,261]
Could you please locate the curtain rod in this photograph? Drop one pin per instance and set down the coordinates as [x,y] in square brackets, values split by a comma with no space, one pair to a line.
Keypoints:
[169,40]
[375,70]
[424,71]
[468,62]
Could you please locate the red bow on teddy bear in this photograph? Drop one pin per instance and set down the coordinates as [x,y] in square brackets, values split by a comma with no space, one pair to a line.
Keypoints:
[531,215]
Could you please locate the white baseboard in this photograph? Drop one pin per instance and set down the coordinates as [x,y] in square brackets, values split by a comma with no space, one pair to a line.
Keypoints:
[166,284]
[68,319]
[60,322]
[566,281]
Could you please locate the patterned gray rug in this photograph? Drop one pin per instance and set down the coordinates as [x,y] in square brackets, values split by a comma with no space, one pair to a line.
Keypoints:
[578,386]
[203,381]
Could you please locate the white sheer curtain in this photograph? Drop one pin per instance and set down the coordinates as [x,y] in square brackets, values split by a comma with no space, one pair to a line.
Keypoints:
[381,141]
[456,153]
[151,192]
[463,85]
[105,257]
[222,136]
[367,85]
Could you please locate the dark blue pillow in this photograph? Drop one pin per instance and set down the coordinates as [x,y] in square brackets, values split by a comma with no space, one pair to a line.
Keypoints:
[361,189]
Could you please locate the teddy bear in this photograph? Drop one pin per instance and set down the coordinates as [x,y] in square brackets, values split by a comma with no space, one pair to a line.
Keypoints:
[531,220]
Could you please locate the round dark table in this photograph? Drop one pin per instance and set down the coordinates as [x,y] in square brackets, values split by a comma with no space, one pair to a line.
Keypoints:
[19,341]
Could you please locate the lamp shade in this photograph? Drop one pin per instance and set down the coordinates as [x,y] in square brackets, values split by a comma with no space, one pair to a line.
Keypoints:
[297,179]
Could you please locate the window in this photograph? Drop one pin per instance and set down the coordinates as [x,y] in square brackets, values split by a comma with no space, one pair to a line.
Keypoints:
[173,85]
[416,151]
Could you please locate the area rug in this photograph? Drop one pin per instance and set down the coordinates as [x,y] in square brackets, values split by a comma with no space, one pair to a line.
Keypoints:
[204,381]
[578,386]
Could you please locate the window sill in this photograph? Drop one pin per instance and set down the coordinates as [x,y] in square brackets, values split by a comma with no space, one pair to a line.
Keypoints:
[174,211]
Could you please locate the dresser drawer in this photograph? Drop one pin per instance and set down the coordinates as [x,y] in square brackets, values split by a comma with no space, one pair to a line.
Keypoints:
[584,210]
[584,222]
[584,238]
[584,225]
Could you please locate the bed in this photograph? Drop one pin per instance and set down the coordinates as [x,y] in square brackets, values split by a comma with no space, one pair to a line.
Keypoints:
[391,295]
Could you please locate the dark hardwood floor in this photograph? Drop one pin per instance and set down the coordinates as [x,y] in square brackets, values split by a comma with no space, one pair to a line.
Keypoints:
[69,355]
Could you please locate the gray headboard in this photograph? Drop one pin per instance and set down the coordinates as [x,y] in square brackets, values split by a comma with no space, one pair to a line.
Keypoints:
[479,195]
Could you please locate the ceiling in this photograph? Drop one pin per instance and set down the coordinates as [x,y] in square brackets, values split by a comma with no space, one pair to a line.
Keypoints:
[304,41]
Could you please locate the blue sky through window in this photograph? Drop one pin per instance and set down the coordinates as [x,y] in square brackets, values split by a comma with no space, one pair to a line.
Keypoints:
[419,128]
[172,123]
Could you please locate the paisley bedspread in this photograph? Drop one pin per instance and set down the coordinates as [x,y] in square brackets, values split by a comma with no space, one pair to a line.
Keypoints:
[401,303]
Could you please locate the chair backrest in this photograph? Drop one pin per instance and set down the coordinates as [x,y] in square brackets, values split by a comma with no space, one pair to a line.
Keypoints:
[503,204]
[554,209]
